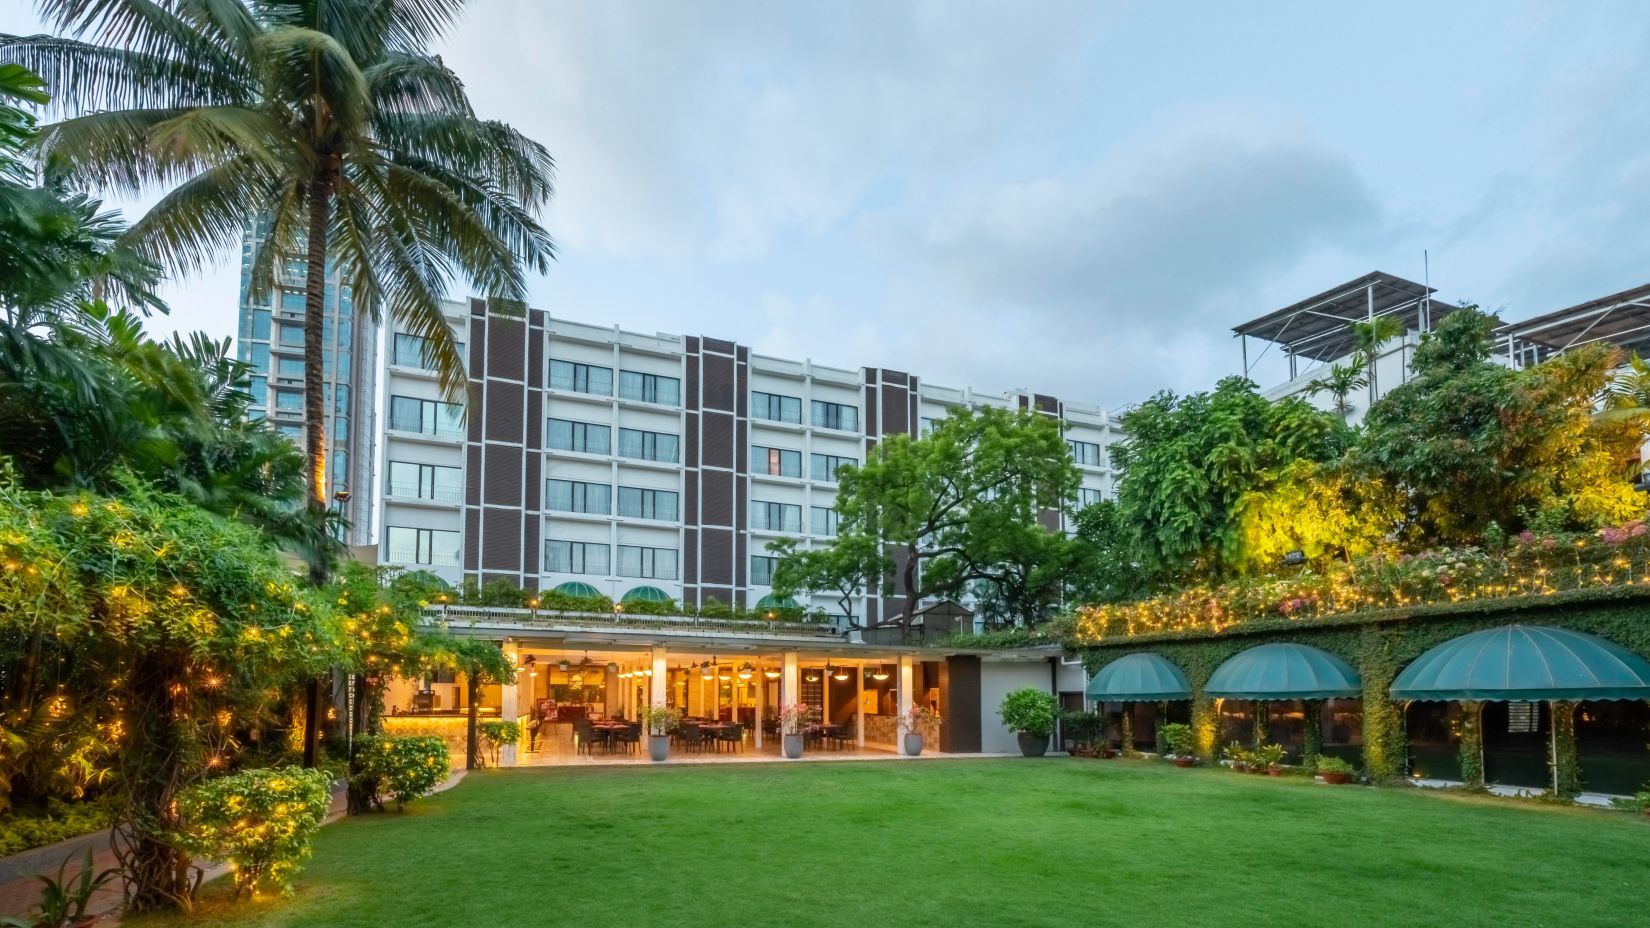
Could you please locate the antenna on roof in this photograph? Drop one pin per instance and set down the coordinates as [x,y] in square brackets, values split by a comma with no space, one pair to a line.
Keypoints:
[1426,297]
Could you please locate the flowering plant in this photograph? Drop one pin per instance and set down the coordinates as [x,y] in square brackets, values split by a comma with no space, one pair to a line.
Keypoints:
[919,720]
[660,719]
[794,718]
[260,821]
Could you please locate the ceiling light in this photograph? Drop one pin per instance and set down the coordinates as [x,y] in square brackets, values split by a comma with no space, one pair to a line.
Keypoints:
[771,673]
[879,674]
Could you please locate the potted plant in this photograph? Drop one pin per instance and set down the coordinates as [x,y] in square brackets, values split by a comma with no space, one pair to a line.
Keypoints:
[1267,759]
[660,721]
[1177,738]
[1029,713]
[914,723]
[1334,770]
[1083,731]
[793,722]
[1237,756]
[63,901]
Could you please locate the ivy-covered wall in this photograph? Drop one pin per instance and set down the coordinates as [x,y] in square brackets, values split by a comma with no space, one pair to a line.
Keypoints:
[1380,646]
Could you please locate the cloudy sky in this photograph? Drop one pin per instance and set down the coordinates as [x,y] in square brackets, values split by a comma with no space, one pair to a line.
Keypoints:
[1080,199]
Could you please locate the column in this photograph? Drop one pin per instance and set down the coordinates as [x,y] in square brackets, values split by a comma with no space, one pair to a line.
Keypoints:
[859,706]
[904,699]
[509,708]
[761,704]
[825,697]
[791,681]
[660,681]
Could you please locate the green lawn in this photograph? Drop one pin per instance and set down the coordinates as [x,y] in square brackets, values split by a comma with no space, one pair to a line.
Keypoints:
[957,843]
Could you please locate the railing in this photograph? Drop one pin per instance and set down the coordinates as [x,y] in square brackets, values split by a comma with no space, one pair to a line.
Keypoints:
[422,427]
[411,556]
[445,494]
[539,617]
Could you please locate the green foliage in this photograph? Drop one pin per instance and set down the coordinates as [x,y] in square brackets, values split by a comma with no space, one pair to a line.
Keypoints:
[659,719]
[1083,729]
[260,821]
[1565,763]
[1177,737]
[25,828]
[1267,755]
[63,900]
[402,768]
[851,565]
[498,733]
[1330,764]
[1029,710]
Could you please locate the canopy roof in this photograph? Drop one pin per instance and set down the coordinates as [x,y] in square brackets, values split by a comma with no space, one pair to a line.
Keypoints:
[1284,671]
[1140,678]
[577,588]
[646,594]
[1620,319]
[1319,327]
[1525,662]
[771,601]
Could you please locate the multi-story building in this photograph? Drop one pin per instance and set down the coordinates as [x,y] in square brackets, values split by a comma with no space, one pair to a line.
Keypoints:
[271,339]
[645,466]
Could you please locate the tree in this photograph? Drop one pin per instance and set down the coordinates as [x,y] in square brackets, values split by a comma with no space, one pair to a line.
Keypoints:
[481,662]
[1339,383]
[1367,339]
[851,565]
[333,120]
[1470,442]
[1188,461]
[1109,570]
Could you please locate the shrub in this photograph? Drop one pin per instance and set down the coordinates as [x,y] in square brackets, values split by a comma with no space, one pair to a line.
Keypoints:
[1178,739]
[1083,729]
[404,768]
[25,828]
[659,719]
[260,821]
[1267,755]
[1327,764]
[495,735]
[1029,710]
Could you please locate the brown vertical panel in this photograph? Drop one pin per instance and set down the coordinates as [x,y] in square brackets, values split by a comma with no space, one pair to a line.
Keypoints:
[719,382]
[478,340]
[716,498]
[960,705]
[472,475]
[501,540]
[872,427]
[532,553]
[532,481]
[690,556]
[690,441]
[507,348]
[718,345]
[535,350]
[690,498]
[472,539]
[895,405]
[717,442]
[504,412]
[1047,403]
[717,566]
[501,484]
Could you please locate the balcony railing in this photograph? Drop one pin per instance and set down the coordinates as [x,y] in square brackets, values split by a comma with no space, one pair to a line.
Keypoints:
[431,559]
[424,427]
[418,491]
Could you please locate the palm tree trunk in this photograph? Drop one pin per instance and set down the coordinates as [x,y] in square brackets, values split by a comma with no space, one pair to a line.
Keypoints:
[315,408]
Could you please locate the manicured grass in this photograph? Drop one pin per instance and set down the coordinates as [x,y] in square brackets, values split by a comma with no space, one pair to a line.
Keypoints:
[957,843]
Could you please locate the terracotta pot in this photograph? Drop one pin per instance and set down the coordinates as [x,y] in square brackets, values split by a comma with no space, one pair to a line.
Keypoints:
[1335,779]
[1274,771]
[1239,766]
[1108,753]
[1184,761]
[1258,771]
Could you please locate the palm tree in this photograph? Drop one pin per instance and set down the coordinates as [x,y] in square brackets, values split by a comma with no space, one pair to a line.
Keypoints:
[1367,339]
[328,118]
[1339,383]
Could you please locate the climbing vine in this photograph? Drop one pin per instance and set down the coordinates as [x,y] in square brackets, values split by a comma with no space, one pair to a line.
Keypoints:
[1566,766]
[1470,729]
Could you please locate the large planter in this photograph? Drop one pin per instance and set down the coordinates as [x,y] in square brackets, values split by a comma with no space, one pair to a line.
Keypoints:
[1335,779]
[658,747]
[1033,745]
[913,744]
[791,745]
[1184,761]
[1274,771]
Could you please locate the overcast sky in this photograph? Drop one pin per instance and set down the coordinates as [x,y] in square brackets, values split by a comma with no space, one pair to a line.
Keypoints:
[1081,199]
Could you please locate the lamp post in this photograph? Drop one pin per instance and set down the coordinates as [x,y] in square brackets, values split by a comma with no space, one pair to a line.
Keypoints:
[339,499]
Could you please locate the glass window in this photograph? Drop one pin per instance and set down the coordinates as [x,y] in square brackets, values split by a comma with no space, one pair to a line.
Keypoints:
[567,435]
[426,417]
[638,503]
[289,400]
[825,466]
[260,324]
[822,520]
[422,546]
[776,408]
[581,378]
[426,481]
[652,563]
[340,429]
[259,388]
[1086,453]
[776,462]
[575,557]
[289,368]
[292,335]
[1087,496]
[647,446]
[835,416]
[762,567]
[290,430]
[577,496]
[292,302]
[650,388]
[412,351]
[259,358]
[342,403]
[776,517]
[925,425]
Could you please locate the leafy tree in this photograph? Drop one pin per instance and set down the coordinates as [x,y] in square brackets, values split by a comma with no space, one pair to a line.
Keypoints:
[851,565]
[1317,509]
[481,662]
[1109,569]
[1470,442]
[1367,339]
[1188,462]
[1339,383]
[332,120]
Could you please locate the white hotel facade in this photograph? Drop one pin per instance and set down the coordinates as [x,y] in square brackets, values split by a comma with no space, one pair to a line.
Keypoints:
[644,466]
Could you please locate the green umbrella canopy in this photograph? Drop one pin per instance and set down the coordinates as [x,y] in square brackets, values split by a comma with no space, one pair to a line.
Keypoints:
[771,601]
[646,594]
[1284,671]
[577,588]
[1140,678]
[1525,662]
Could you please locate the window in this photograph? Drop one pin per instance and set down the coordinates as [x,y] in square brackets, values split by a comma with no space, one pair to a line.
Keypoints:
[652,563]
[340,429]
[1086,453]
[292,302]
[638,503]
[1087,496]
[292,335]
[650,388]
[576,496]
[825,466]
[289,368]
[822,520]
[776,408]
[426,481]
[422,546]
[835,416]
[426,417]
[776,517]
[927,425]
[341,405]
[259,388]
[412,351]
[567,435]
[776,462]
[290,431]
[581,378]
[647,446]
[762,567]
[260,324]
[259,357]
[289,400]
[575,557]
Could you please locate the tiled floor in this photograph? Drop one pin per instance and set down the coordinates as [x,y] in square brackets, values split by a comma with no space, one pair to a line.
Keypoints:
[559,751]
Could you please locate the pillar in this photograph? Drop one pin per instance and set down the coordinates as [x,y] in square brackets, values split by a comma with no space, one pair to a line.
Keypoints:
[904,706]
[509,704]
[859,706]
[1312,733]
[761,682]
[1566,765]
[1472,744]
[791,681]
[659,683]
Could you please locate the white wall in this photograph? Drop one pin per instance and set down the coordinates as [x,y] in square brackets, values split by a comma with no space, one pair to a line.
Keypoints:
[997,678]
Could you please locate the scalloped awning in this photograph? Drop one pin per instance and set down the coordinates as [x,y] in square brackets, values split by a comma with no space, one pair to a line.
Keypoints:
[577,588]
[1284,671]
[1140,678]
[1525,663]
[646,594]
